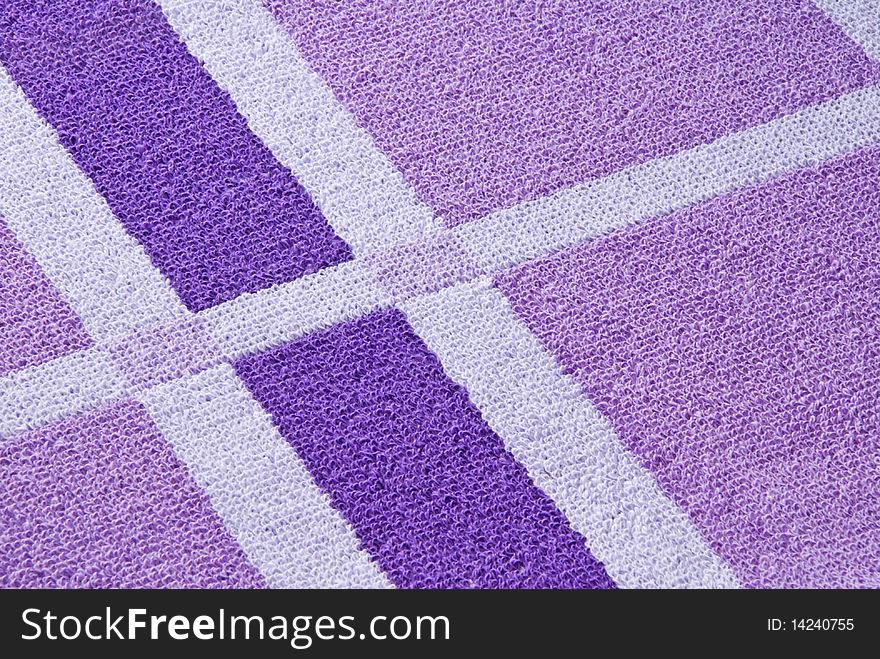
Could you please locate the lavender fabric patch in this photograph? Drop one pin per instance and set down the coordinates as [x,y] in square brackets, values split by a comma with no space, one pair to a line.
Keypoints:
[403,453]
[100,500]
[36,325]
[734,347]
[485,104]
[217,214]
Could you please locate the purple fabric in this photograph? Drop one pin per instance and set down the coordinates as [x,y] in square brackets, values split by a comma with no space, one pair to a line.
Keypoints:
[484,104]
[99,500]
[164,144]
[735,347]
[732,346]
[429,488]
[36,325]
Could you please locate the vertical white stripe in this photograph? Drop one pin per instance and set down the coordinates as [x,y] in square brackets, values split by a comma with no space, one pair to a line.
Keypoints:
[59,217]
[48,392]
[860,19]
[802,139]
[568,448]
[292,110]
[258,484]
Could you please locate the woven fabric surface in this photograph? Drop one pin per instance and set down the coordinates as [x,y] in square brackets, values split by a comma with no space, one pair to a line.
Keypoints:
[431,294]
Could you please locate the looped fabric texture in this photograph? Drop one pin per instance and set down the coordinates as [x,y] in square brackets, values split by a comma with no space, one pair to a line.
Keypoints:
[439,294]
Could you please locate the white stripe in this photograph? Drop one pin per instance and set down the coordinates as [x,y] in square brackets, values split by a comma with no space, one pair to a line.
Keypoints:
[860,19]
[59,217]
[292,110]
[660,186]
[258,484]
[41,394]
[257,321]
[250,323]
[568,448]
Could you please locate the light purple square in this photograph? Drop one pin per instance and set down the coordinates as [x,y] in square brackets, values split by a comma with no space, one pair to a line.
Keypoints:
[36,324]
[484,104]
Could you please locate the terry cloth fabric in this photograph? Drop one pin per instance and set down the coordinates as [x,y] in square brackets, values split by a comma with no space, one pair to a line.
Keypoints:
[440,294]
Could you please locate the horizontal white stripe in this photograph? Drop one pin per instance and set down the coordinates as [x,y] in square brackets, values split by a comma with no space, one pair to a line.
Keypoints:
[258,484]
[570,451]
[250,323]
[59,217]
[45,393]
[110,283]
[257,321]
[860,19]
[536,228]
[292,110]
